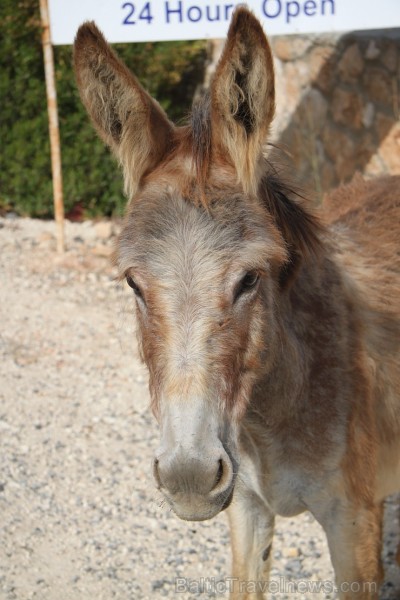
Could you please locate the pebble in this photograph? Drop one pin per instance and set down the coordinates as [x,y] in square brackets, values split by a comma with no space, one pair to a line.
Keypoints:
[102,250]
[104,229]
[290,552]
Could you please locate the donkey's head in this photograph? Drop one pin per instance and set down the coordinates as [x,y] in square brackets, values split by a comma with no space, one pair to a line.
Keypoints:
[205,247]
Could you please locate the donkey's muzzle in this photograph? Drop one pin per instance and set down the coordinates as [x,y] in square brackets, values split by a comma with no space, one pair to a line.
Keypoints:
[197,486]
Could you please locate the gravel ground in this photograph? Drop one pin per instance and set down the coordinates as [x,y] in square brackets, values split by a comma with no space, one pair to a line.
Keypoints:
[80,516]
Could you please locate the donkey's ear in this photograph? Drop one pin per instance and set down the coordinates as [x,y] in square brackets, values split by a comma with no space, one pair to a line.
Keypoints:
[125,116]
[243,97]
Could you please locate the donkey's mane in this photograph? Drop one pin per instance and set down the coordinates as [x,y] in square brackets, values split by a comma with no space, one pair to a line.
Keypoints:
[201,134]
[300,227]
[299,224]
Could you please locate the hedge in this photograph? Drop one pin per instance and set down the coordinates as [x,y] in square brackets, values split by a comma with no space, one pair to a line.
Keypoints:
[91,179]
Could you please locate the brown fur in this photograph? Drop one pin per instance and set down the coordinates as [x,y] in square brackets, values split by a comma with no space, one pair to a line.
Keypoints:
[125,116]
[271,334]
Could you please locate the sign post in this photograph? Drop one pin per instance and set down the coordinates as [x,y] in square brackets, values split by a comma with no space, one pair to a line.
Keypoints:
[53,125]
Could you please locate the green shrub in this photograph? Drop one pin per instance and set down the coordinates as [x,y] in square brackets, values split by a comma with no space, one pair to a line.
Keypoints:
[169,70]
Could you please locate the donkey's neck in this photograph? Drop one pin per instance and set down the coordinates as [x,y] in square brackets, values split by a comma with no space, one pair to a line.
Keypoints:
[317,333]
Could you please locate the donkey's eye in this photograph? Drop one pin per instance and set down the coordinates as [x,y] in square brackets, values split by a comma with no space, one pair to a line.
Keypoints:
[247,284]
[132,283]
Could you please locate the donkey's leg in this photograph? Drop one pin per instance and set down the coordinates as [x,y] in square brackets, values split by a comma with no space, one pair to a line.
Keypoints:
[355,540]
[251,527]
[398,547]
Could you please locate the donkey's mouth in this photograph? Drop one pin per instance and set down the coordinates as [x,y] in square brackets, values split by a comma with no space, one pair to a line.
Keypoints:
[196,507]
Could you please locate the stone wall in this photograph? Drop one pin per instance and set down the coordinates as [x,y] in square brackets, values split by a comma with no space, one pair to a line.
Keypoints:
[338,105]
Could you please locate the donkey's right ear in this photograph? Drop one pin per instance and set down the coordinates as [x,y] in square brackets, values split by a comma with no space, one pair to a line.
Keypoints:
[125,116]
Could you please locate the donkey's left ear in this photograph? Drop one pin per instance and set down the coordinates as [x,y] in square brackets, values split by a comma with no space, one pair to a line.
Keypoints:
[243,97]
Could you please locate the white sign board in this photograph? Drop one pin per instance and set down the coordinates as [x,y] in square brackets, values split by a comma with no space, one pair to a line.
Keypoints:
[157,20]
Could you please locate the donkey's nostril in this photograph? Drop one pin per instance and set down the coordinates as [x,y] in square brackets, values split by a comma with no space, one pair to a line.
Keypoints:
[223,477]
[220,472]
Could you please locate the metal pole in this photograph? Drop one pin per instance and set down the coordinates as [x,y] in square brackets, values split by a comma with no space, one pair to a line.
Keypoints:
[53,125]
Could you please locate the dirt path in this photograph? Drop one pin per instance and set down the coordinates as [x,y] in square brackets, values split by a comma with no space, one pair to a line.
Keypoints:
[80,517]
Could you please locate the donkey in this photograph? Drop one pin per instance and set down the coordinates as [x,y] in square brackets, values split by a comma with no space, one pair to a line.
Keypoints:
[271,334]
